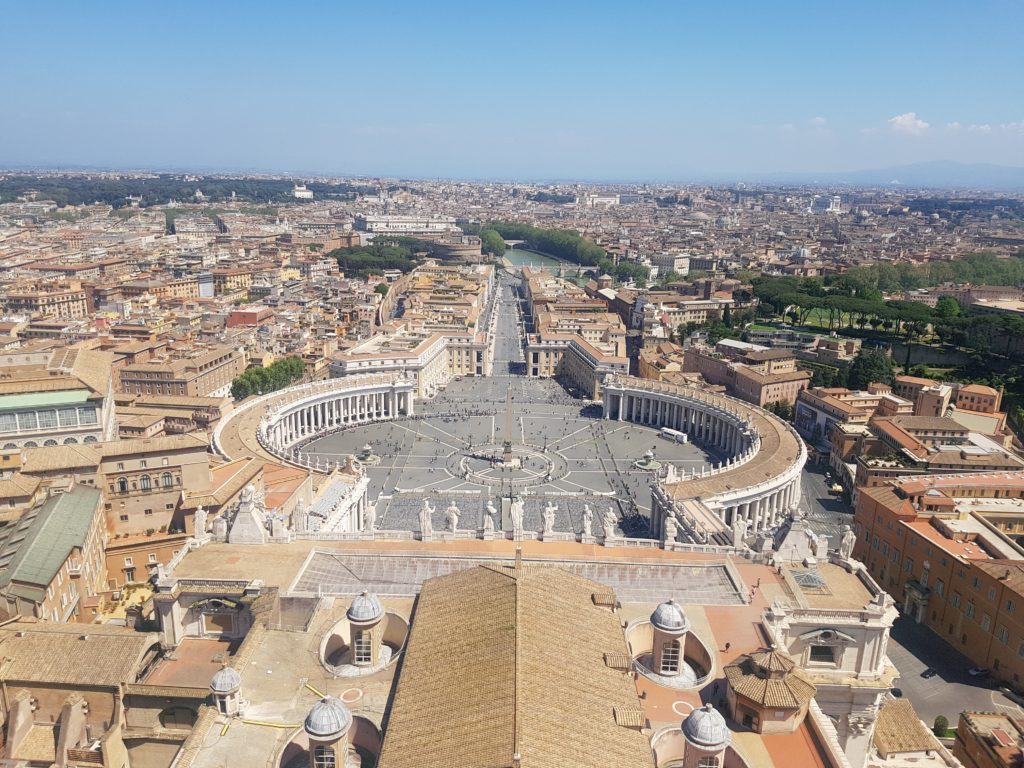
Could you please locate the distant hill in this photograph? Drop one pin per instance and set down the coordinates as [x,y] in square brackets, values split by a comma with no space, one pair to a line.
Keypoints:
[938,173]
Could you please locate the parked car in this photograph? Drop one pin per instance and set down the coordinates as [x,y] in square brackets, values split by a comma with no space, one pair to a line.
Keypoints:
[977,671]
[929,672]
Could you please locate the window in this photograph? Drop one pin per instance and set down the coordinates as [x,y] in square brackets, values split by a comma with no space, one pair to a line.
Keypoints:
[991,593]
[129,575]
[163,462]
[822,654]
[124,518]
[143,464]
[152,557]
[975,582]
[955,600]
[122,485]
[940,587]
[908,565]
[323,756]
[128,562]
[166,480]
[708,762]
[145,483]
[986,622]
[1003,634]
[1009,606]
[362,653]
[970,609]
[120,466]
[147,512]
[670,657]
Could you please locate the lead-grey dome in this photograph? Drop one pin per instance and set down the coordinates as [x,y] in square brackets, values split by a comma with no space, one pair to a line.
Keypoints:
[669,617]
[705,729]
[328,719]
[365,607]
[225,680]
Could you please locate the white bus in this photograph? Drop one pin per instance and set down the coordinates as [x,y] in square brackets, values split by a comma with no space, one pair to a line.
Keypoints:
[674,435]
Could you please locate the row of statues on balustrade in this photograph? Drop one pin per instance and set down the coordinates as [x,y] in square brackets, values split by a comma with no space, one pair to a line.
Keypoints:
[517,509]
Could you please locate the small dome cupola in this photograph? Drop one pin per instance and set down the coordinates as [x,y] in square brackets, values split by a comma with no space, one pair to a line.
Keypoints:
[226,680]
[328,720]
[365,609]
[670,618]
[224,685]
[705,729]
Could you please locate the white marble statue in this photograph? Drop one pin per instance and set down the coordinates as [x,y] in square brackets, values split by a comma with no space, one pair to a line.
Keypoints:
[609,522]
[846,543]
[200,521]
[819,546]
[671,475]
[299,517]
[671,528]
[588,520]
[426,522]
[451,517]
[488,522]
[739,530]
[549,518]
[370,518]
[516,513]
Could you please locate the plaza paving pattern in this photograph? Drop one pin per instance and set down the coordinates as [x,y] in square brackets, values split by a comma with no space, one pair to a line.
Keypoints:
[592,460]
[342,573]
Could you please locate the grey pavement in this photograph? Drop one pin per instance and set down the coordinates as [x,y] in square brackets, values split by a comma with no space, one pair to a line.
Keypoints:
[913,648]
[826,513]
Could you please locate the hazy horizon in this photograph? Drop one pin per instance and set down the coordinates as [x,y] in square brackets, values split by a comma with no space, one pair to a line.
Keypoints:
[590,92]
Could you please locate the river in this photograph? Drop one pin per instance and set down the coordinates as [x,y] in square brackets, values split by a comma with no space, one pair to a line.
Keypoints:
[521,257]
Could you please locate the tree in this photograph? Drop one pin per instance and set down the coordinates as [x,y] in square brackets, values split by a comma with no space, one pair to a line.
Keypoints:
[381,288]
[947,307]
[492,243]
[782,408]
[940,726]
[868,367]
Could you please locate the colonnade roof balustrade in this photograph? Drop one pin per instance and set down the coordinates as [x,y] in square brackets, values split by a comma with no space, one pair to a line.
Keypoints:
[236,434]
[780,452]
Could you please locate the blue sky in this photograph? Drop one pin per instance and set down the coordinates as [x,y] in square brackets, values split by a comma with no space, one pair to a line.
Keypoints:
[590,90]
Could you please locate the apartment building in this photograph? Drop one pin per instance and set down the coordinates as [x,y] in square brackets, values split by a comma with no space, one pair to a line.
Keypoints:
[820,409]
[142,479]
[51,558]
[989,740]
[944,547]
[66,301]
[197,372]
[761,377]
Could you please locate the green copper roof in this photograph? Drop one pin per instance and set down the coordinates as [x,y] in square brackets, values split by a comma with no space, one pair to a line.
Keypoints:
[43,399]
[34,548]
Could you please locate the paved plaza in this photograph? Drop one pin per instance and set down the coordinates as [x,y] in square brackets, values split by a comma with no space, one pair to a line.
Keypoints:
[571,457]
[342,573]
